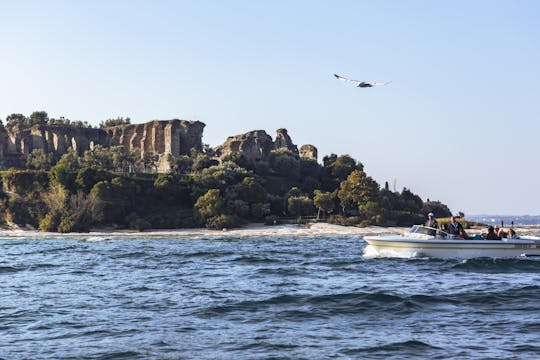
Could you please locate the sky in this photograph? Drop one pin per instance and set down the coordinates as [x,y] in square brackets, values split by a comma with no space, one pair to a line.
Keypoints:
[459,122]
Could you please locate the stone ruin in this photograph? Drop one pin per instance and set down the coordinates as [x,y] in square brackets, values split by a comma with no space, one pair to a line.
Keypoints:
[163,137]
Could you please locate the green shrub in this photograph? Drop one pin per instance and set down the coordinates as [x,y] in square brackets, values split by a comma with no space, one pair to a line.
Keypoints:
[67,224]
[25,181]
[50,222]
[222,222]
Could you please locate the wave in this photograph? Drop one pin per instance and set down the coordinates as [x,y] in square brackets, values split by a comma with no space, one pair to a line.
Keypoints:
[10,269]
[403,348]
[495,266]
[300,307]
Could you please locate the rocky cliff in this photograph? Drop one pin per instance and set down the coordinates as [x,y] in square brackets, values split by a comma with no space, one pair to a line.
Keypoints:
[164,137]
[257,145]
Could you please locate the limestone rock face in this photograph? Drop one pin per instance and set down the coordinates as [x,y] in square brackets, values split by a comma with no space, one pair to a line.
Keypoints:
[54,139]
[257,145]
[308,152]
[283,141]
[164,137]
[3,143]
[254,145]
[175,137]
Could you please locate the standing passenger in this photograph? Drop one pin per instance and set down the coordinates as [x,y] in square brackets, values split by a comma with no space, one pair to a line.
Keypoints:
[455,228]
[432,222]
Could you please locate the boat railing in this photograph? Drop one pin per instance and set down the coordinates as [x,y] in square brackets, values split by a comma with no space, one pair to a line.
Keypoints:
[430,231]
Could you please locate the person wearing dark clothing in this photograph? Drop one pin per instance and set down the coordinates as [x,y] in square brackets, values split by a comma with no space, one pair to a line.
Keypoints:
[491,234]
[455,228]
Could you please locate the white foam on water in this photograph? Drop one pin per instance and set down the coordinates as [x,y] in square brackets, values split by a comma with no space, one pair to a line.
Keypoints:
[252,230]
[371,252]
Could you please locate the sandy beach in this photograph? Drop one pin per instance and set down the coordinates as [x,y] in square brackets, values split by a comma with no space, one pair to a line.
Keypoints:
[289,230]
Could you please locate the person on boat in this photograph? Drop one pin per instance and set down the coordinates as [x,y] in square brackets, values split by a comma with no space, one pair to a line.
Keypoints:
[491,234]
[432,222]
[502,234]
[512,234]
[455,228]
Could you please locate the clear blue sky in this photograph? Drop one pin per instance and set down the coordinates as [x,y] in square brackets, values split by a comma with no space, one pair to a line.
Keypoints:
[459,122]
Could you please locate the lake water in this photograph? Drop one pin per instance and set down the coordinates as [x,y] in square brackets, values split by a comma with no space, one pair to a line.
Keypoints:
[259,297]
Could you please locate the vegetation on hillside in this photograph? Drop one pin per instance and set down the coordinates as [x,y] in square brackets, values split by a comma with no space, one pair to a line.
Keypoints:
[109,186]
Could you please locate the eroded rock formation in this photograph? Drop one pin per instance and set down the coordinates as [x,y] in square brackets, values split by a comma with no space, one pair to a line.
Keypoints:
[283,141]
[163,137]
[257,145]
[308,152]
[253,145]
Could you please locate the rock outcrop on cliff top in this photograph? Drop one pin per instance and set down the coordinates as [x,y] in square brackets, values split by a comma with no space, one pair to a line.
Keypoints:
[257,145]
[308,152]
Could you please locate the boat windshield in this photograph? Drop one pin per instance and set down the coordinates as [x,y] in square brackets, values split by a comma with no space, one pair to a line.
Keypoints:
[419,229]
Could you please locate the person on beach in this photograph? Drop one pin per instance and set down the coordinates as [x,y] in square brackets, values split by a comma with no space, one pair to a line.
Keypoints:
[432,222]
[455,228]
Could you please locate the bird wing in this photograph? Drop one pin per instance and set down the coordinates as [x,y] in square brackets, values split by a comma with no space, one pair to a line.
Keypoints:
[345,79]
[379,83]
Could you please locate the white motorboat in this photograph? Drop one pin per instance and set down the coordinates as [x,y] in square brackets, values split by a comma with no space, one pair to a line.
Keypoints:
[422,241]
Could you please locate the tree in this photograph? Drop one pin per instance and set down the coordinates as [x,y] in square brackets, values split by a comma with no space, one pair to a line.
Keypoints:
[38,118]
[357,190]
[100,157]
[343,166]
[209,205]
[181,164]
[38,159]
[438,209]
[88,177]
[285,163]
[15,120]
[150,161]
[115,122]
[65,170]
[300,205]
[250,191]
[120,158]
[118,197]
[170,189]
[222,176]
[202,161]
[408,201]
[324,201]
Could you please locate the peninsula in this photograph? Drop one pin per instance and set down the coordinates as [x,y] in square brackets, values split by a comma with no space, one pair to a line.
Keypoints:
[65,176]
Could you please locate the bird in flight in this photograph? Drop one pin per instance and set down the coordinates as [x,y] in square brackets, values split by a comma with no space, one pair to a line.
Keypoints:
[362,84]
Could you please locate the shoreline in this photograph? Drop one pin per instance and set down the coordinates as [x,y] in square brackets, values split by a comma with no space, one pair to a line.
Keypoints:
[250,230]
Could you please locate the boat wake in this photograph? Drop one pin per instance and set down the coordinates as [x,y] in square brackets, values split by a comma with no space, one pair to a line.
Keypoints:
[372,252]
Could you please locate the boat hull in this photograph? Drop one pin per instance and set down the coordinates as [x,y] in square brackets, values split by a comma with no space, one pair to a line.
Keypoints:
[397,246]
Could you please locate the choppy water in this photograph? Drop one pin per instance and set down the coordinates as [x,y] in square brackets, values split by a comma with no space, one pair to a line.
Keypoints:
[259,297]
